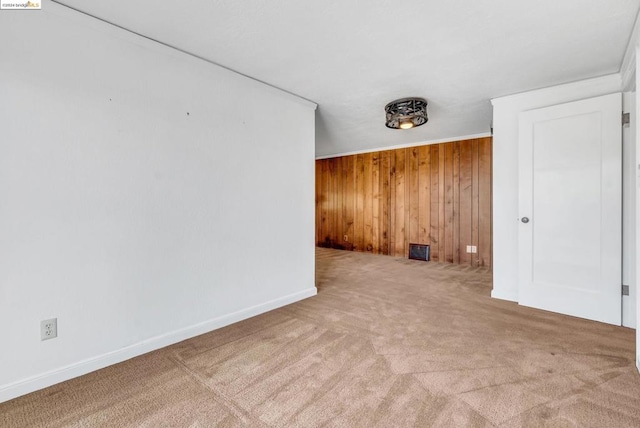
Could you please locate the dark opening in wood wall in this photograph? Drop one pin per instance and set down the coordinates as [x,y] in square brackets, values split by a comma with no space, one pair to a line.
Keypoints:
[438,194]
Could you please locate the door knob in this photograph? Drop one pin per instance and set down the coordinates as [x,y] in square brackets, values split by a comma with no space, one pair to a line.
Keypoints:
[525,219]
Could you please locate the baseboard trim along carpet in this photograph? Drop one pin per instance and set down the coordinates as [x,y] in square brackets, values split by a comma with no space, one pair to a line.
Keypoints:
[510,297]
[34,383]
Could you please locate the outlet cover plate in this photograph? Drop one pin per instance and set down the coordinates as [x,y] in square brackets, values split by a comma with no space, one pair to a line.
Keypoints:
[49,329]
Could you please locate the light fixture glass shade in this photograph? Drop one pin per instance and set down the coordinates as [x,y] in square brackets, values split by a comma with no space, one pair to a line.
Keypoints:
[406,113]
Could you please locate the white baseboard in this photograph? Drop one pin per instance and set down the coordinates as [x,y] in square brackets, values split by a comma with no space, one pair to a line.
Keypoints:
[512,297]
[628,312]
[43,380]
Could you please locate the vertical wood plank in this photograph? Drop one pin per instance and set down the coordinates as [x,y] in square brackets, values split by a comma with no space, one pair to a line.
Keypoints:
[375,218]
[442,203]
[424,195]
[342,199]
[358,215]
[337,212]
[413,191]
[392,202]
[318,199]
[385,196]
[327,204]
[350,199]
[484,202]
[465,201]
[435,202]
[367,203]
[456,202]
[400,156]
[333,223]
[474,198]
[448,202]
[323,177]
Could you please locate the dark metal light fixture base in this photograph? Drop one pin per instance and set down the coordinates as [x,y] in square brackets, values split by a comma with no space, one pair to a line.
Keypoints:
[406,113]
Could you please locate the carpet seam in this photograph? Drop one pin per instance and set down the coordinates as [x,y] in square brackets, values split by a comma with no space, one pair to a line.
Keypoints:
[244,415]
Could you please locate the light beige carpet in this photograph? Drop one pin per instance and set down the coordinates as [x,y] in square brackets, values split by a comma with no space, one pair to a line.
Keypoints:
[386,343]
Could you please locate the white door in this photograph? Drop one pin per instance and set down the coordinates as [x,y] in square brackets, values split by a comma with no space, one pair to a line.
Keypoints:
[570,230]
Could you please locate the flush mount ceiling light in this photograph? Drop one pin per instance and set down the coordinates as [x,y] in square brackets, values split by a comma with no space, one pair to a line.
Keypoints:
[406,113]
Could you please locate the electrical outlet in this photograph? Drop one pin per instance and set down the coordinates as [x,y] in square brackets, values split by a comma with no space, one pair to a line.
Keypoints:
[49,329]
[474,249]
[346,238]
[468,248]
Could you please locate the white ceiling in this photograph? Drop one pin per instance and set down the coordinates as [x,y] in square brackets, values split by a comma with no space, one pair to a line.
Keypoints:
[352,58]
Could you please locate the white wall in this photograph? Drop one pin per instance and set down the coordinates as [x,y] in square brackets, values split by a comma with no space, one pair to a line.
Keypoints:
[146,196]
[505,169]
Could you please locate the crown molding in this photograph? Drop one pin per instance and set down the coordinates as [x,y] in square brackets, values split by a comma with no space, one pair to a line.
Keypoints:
[628,67]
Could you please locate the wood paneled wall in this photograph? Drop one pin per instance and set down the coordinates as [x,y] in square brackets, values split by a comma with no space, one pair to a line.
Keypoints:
[380,202]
